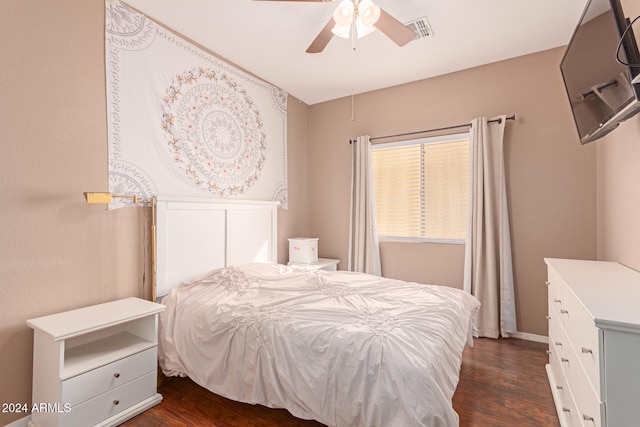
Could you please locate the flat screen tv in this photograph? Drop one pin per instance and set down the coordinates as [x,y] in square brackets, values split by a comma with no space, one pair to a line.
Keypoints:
[599,86]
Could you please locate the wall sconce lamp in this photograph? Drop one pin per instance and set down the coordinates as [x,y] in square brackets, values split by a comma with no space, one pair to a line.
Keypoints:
[106,198]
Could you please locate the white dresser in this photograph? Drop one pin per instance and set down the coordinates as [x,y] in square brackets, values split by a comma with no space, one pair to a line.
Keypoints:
[95,365]
[594,342]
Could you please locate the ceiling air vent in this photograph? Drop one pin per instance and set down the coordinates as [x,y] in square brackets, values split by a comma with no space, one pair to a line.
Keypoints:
[421,27]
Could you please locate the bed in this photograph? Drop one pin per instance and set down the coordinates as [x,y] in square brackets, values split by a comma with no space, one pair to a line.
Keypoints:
[342,348]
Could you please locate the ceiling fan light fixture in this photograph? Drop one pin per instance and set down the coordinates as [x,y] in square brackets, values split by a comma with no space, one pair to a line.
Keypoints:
[341,30]
[363,17]
[343,14]
[368,13]
[343,17]
[363,29]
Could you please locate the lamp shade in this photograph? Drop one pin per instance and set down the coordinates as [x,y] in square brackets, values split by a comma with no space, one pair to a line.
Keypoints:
[343,14]
[341,30]
[362,29]
[368,13]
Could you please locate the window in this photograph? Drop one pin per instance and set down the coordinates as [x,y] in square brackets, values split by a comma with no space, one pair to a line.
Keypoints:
[422,188]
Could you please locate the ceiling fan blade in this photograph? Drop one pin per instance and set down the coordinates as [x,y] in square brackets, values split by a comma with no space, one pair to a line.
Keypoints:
[394,29]
[322,39]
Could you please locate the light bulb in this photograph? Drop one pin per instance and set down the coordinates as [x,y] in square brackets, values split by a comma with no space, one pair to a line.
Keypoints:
[343,16]
[368,12]
[343,13]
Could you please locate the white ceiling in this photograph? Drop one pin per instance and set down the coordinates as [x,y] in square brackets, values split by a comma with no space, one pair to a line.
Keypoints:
[269,39]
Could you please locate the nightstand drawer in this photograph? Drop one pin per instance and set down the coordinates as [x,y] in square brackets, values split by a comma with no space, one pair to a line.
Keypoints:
[112,402]
[326,264]
[93,383]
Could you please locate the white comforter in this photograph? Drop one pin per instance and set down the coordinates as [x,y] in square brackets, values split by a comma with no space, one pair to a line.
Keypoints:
[346,349]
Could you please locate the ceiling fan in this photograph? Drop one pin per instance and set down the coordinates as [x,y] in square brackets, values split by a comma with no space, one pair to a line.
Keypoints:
[358,17]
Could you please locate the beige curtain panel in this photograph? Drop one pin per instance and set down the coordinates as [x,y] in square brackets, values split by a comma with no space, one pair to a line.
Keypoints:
[364,253]
[488,271]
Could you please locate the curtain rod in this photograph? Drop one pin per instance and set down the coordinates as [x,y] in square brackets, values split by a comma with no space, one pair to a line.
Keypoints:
[511,117]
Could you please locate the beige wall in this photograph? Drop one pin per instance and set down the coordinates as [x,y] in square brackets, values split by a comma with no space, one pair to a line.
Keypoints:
[618,160]
[294,221]
[57,252]
[618,168]
[551,178]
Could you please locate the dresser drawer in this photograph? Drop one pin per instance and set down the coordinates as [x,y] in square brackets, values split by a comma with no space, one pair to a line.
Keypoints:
[580,327]
[112,402]
[556,336]
[567,408]
[97,381]
[587,401]
[570,416]
[558,375]
[555,286]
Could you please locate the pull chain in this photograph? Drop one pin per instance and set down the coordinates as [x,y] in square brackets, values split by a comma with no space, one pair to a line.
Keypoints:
[353,64]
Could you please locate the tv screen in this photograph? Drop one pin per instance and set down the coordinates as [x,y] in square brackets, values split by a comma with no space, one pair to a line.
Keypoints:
[598,86]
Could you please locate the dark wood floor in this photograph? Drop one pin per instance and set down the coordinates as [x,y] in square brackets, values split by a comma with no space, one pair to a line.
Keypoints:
[502,383]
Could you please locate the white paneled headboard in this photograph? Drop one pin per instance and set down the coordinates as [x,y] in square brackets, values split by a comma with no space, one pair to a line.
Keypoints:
[197,235]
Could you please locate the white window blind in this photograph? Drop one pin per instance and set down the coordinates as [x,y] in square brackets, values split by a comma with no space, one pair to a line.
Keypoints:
[421,188]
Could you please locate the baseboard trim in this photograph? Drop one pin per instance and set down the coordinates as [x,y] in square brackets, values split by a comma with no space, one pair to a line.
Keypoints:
[530,337]
[22,422]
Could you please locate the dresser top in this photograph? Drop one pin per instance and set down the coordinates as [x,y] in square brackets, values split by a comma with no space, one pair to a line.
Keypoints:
[608,290]
[72,323]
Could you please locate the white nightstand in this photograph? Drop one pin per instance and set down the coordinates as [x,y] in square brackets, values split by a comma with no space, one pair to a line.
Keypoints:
[326,264]
[95,365]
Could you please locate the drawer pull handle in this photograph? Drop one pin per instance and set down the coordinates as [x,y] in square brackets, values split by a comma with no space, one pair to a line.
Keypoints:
[559,387]
[566,410]
[548,351]
[587,350]
[548,317]
[116,375]
[548,283]
[564,311]
[564,359]
[116,402]
[557,300]
[558,343]
[587,418]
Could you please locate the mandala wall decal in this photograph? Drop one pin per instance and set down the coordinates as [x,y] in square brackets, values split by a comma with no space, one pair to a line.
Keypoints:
[214,132]
[280,194]
[279,98]
[185,121]
[125,29]
[127,178]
